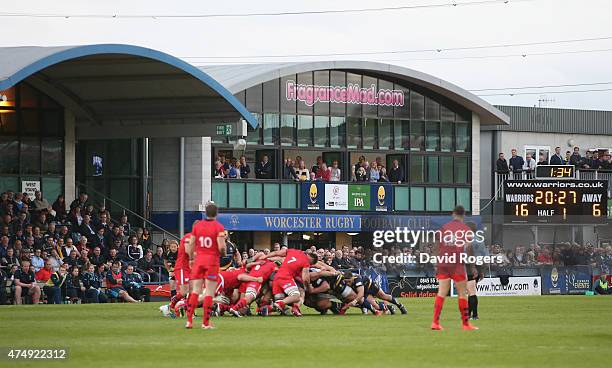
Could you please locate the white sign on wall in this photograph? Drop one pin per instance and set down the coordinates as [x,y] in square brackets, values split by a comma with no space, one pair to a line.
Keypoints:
[336,197]
[30,187]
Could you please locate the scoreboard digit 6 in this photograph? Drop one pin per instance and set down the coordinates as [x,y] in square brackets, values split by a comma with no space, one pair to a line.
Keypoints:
[556,201]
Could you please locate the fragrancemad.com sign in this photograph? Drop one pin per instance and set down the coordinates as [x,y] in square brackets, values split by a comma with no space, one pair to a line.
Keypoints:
[351,94]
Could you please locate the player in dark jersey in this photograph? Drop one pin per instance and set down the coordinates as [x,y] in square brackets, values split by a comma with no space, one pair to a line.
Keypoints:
[452,244]
[204,248]
[474,277]
[326,286]
[169,263]
[371,291]
[231,259]
[363,287]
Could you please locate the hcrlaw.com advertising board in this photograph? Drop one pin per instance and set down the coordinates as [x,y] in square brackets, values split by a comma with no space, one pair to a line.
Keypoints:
[518,286]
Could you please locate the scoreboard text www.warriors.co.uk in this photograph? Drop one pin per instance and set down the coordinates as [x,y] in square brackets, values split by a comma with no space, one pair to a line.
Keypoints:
[555,201]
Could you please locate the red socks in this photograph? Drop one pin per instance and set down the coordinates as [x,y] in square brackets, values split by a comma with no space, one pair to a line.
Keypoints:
[207,307]
[175,299]
[192,304]
[438,304]
[464,310]
[242,303]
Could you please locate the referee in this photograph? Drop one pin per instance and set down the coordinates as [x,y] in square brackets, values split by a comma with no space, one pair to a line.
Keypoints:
[479,249]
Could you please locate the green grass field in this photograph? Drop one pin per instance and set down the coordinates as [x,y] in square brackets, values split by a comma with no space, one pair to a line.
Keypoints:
[551,331]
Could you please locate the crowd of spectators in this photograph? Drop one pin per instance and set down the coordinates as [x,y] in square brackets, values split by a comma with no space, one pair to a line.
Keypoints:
[593,160]
[73,252]
[297,170]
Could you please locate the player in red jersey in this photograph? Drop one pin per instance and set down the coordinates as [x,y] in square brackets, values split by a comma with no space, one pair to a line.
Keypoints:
[204,247]
[182,272]
[453,243]
[261,269]
[295,266]
[233,280]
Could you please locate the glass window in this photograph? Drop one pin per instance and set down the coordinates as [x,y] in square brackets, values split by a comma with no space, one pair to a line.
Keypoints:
[51,188]
[321,137]
[31,122]
[271,93]
[52,123]
[254,98]
[9,156]
[432,198]
[401,134]
[321,78]
[432,140]
[461,170]
[447,114]
[462,137]
[384,133]
[353,109]
[30,156]
[10,183]
[417,169]
[8,122]
[288,103]
[337,131]
[417,105]
[369,132]
[384,110]
[28,96]
[254,134]
[370,110]
[270,129]
[122,154]
[353,134]
[306,79]
[417,199]
[417,136]
[304,131]
[432,109]
[402,111]
[446,169]
[52,152]
[337,79]
[448,199]
[432,169]
[464,198]
[287,130]
[446,137]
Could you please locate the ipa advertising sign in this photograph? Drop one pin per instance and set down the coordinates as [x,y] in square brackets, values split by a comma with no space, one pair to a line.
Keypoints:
[359,197]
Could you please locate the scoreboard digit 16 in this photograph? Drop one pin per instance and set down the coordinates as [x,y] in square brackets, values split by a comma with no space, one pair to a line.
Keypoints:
[556,201]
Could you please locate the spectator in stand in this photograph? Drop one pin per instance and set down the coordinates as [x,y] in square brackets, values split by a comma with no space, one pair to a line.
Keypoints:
[87,229]
[39,203]
[25,284]
[219,170]
[18,202]
[557,159]
[124,223]
[82,244]
[361,175]
[396,173]
[289,170]
[147,241]
[55,285]
[302,172]
[101,240]
[501,166]
[114,284]
[530,164]
[601,286]
[542,160]
[9,260]
[317,166]
[134,250]
[234,171]
[263,169]
[158,260]
[59,206]
[516,162]
[72,260]
[374,173]
[75,289]
[69,248]
[337,260]
[383,175]
[56,260]
[3,278]
[575,159]
[245,169]
[357,166]
[103,220]
[92,281]
[335,173]
[544,258]
[606,162]
[132,283]
[114,256]
[323,174]
[379,163]
[96,257]
[146,267]
[80,202]
[37,261]
[591,161]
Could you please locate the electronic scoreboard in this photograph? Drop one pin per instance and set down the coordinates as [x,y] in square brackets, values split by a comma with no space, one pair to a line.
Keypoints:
[554,171]
[556,201]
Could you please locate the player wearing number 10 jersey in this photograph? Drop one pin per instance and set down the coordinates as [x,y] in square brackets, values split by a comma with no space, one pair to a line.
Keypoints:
[206,244]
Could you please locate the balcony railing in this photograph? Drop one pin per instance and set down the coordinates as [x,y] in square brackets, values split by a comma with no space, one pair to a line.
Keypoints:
[583,174]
